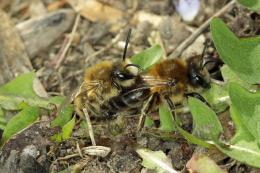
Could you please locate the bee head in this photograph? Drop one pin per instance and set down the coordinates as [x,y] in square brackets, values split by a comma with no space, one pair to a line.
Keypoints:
[197,77]
[123,76]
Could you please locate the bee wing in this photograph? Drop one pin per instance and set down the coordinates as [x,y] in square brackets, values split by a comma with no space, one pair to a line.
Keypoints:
[154,81]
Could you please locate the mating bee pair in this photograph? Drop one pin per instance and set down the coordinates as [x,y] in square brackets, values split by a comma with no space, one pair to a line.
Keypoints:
[112,88]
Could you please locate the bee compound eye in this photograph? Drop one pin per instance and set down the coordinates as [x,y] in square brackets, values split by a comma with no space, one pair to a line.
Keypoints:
[200,81]
[122,76]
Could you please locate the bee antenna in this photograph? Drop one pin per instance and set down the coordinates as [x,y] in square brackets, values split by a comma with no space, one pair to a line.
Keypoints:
[203,53]
[126,43]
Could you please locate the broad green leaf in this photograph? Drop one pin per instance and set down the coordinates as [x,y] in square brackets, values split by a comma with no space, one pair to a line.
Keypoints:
[166,119]
[22,85]
[206,123]
[156,160]
[65,132]
[217,96]
[251,4]
[241,55]
[203,164]
[230,76]
[242,147]
[21,90]
[64,115]
[148,57]
[20,121]
[248,106]
[193,139]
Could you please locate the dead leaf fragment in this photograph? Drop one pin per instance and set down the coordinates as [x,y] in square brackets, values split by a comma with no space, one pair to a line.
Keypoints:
[96,11]
[203,164]
[96,151]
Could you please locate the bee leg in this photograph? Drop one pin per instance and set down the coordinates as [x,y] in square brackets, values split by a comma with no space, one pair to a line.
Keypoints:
[171,106]
[116,85]
[198,96]
[144,112]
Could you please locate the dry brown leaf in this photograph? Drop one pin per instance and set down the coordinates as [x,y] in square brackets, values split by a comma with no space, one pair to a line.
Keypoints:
[56,5]
[203,164]
[96,11]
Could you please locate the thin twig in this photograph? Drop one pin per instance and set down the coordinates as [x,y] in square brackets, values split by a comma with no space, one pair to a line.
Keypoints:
[90,129]
[64,50]
[179,50]
[79,150]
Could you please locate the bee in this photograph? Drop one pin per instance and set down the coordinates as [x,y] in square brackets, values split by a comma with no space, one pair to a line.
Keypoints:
[113,88]
[102,82]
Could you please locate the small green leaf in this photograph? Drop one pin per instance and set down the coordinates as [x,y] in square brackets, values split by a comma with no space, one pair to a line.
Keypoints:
[21,85]
[20,121]
[64,115]
[193,139]
[166,119]
[241,55]
[206,123]
[65,132]
[21,90]
[251,4]
[148,122]
[217,96]
[248,106]
[156,160]
[148,57]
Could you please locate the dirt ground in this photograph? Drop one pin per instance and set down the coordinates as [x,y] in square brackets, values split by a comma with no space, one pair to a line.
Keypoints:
[67,40]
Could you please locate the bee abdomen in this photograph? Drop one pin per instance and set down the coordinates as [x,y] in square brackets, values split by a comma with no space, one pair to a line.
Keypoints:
[126,101]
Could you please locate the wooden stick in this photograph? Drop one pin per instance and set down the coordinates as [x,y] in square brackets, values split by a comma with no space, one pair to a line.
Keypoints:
[90,129]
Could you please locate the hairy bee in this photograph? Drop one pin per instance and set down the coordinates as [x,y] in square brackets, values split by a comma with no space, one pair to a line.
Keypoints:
[111,88]
[104,81]
[171,79]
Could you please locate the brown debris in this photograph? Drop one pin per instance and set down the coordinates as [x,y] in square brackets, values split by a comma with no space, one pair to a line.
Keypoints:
[96,11]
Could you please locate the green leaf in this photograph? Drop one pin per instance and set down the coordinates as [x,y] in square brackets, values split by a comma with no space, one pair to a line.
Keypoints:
[241,55]
[21,90]
[166,119]
[156,160]
[243,147]
[217,96]
[148,57]
[148,122]
[20,121]
[248,106]
[206,123]
[193,139]
[251,4]
[230,76]
[3,121]
[64,115]
[65,132]
[21,85]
